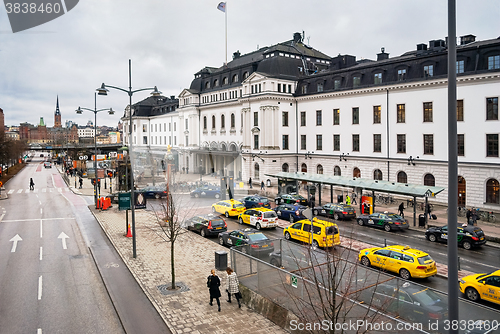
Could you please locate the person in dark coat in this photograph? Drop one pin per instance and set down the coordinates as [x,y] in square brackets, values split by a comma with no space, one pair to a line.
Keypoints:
[401,209]
[250,182]
[80,180]
[32,184]
[213,283]
[468,215]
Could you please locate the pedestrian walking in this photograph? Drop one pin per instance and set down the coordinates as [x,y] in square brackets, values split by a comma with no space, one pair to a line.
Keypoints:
[233,286]
[428,210]
[473,216]
[213,283]
[353,197]
[32,184]
[401,208]
[250,183]
[262,185]
[80,180]
[347,200]
[468,216]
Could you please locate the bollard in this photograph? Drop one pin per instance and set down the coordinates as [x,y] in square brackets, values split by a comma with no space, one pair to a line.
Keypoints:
[385,242]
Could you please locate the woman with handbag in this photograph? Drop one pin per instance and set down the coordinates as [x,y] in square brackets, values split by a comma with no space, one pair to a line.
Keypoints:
[233,286]
[213,283]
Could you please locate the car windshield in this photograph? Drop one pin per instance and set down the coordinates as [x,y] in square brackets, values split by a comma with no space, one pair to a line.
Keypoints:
[426,297]
[270,214]
[425,259]
[483,275]
[257,237]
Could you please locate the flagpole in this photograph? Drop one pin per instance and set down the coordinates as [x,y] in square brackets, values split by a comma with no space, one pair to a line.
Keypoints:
[225,12]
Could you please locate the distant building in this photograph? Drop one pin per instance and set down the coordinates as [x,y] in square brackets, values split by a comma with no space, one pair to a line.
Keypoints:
[2,123]
[86,132]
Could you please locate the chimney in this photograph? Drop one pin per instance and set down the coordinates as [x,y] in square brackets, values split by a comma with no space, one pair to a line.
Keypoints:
[172,97]
[236,54]
[467,39]
[421,47]
[297,37]
[382,55]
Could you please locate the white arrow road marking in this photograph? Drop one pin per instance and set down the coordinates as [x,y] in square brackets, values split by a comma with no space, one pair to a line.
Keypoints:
[63,236]
[39,287]
[16,239]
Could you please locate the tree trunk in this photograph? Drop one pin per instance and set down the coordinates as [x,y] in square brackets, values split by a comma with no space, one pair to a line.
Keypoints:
[172,264]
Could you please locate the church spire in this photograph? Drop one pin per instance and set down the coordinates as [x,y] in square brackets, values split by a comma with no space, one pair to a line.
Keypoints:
[57,106]
[57,115]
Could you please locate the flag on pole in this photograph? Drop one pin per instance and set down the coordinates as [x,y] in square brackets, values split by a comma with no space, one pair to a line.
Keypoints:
[222,7]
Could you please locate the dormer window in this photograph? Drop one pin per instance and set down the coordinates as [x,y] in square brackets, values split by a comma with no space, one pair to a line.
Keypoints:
[377,78]
[320,87]
[235,78]
[216,82]
[401,74]
[224,81]
[245,75]
[207,85]
[428,71]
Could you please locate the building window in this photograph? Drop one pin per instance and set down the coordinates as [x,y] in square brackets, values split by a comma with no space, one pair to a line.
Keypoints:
[428,144]
[235,78]
[233,121]
[204,122]
[493,62]
[222,121]
[461,145]
[377,114]
[187,141]
[319,169]
[460,110]
[401,144]
[492,109]
[337,171]
[245,75]
[303,142]
[175,126]
[355,143]
[213,122]
[256,173]
[336,84]
[255,142]
[377,143]
[492,145]
[460,66]
[428,71]
[302,118]
[429,180]
[355,115]
[279,88]
[285,118]
[336,142]
[401,113]
[377,78]
[377,174]
[427,111]
[320,87]
[303,168]
[224,81]
[336,116]
[356,81]
[402,75]
[319,120]
[145,140]
[187,125]
[356,172]
[285,168]
[144,128]
[255,118]
[304,89]
[319,142]
[285,142]
[207,84]
[402,177]
[492,191]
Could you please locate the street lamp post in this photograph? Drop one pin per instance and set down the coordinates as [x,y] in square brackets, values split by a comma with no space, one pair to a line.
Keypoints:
[104,91]
[95,111]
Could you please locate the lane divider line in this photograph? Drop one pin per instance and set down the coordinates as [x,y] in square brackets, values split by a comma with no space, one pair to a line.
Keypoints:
[41,253]
[41,230]
[40,288]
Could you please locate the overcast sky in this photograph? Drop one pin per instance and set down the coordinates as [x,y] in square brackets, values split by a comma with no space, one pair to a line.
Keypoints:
[168,41]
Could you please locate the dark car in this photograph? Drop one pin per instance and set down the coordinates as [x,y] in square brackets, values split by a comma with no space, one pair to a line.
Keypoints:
[290,199]
[206,225]
[335,211]
[468,236]
[289,212]
[153,192]
[249,241]
[409,301]
[387,220]
[255,201]
[206,191]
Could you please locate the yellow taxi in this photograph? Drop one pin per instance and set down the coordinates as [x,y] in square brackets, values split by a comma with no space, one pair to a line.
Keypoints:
[403,260]
[229,208]
[482,286]
[325,233]
[259,217]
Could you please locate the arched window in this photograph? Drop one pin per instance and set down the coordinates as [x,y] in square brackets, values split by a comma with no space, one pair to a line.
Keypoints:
[207,85]
[429,180]
[256,171]
[402,178]
[319,169]
[245,75]
[233,121]
[216,82]
[492,191]
[235,78]
[204,122]
[377,174]
[337,171]
[222,121]
[285,168]
[213,122]
[356,172]
[224,81]
[304,168]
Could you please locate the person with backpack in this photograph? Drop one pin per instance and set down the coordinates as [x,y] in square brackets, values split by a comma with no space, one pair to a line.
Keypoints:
[213,283]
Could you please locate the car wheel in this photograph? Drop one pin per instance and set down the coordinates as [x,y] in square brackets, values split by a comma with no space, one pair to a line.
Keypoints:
[315,212]
[287,236]
[196,195]
[361,222]
[203,233]
[432,237]
[275,262]
[226,214]
[472,294]
[336,216]
[405,274]
[291,219]
[257,226]
[221,241]
[315,244]
[240,221]
[365,261]
[213,209]
[157,196]
[387,228]
[467,245]
[217,196]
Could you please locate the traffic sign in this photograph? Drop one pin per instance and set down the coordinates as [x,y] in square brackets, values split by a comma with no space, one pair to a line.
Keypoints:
[294,281]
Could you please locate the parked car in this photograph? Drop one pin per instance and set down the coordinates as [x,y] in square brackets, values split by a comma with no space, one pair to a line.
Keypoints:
[153,192]
[259,218]
[291,199]
[402,260]
[206,191]
[468,236]
[482,286]
[206,225]
[255,201]
[408,301]
[253,241]
[388,221]
[229,208]
[290,212]
[335,211]
[47,164]
[325,233]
